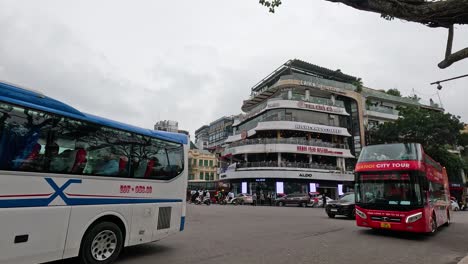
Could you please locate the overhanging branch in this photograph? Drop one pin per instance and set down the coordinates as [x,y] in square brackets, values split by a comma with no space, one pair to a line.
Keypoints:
[448,50]
[452,58]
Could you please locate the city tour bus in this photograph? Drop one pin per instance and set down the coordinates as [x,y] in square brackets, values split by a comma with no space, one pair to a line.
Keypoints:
[73,184]
[399,187]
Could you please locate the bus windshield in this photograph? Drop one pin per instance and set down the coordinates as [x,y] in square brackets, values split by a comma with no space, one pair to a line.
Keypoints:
[387,152]
[388,190]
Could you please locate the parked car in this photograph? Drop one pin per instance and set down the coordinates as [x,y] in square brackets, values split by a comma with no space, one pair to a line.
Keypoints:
[302,199]
[243,198]
[343,206]
[454,205]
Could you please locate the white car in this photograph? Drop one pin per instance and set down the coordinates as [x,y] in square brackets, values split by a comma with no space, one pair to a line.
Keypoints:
[455,206]
[320,201]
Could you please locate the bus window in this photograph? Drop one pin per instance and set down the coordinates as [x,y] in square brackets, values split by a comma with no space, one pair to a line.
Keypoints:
[23,135]
[157,159]
[108,152]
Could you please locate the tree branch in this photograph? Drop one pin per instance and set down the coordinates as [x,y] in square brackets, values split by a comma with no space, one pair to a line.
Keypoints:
[452,58]
[433,14]
[448,50]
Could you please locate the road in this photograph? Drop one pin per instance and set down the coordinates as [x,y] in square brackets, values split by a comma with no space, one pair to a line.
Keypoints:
[246,234]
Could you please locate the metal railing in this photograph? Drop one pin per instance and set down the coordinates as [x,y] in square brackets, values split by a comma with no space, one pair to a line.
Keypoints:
[287,164]
[293,141]
[312,99]
[384,110]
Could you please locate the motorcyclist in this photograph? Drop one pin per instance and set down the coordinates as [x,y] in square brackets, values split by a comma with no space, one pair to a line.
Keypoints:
[231,195]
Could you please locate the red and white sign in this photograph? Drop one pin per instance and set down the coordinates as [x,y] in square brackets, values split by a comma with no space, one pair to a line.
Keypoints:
[320,150]
[321,108]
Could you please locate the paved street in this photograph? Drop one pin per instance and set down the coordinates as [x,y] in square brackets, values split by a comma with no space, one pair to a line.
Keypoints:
[245,234]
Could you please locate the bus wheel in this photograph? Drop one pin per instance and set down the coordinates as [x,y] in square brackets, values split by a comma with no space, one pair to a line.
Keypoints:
[101,244]
[433,225]
[448,218]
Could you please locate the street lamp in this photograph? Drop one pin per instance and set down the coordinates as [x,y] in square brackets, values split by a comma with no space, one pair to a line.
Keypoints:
[439,87]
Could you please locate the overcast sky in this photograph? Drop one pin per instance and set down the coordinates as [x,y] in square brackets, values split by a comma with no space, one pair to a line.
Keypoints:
[195,61]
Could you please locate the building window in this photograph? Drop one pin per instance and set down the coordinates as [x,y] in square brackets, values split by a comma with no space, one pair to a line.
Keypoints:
[212,176]
[194,161]
[201,175]
[211,163]
[200,163]
[206,163]
[207,176]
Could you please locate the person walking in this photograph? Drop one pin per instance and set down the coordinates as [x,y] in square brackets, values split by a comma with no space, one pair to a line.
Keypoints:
[262,198]
[324,198]
[254,199]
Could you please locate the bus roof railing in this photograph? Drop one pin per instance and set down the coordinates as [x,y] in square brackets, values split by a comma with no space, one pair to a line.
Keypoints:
[29,98]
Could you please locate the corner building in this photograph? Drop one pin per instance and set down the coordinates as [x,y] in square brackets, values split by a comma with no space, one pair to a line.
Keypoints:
[301,132]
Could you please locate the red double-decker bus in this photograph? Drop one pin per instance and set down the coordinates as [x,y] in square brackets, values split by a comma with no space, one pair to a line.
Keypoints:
[399,187]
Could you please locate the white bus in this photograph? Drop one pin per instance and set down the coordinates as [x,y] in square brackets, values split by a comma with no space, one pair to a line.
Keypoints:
[73,184]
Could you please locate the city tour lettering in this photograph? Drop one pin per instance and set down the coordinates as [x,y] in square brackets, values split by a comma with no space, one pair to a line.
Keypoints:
[384,166]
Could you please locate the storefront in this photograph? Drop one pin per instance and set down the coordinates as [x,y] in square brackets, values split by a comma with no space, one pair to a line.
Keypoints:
[289,186]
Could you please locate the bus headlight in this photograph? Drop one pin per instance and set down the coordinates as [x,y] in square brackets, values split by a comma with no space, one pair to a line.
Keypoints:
[361,214]
[413,218]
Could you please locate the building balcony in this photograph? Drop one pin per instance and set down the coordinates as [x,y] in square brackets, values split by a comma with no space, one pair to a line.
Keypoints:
[382,112]
[295,141]
[287,147]
[286,164]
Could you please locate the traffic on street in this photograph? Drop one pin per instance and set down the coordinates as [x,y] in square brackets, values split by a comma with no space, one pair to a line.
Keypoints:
[264,234]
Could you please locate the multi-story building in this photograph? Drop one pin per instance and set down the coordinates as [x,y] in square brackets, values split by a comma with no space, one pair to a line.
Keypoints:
[381,107]
[219,130]
[202,165]
[167,125]
[301,131]
[202,137]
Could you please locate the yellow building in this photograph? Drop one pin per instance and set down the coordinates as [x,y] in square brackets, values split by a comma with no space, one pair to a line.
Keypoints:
[203,165]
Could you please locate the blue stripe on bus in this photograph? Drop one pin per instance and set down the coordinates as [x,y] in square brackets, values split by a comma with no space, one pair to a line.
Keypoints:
[182,223]
[43,202]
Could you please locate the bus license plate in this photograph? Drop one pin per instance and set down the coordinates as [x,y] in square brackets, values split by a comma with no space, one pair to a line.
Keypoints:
[385,225]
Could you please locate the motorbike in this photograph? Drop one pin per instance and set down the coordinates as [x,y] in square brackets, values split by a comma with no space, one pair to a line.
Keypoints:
[228,200]
[206,200]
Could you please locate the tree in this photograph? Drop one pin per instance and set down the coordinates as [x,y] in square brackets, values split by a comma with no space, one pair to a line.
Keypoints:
[394,92]
[432,13]
[435,131]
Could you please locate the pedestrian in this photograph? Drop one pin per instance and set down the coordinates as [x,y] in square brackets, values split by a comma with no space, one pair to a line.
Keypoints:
[254,199]
[324,197]
[262,198]
[269,198]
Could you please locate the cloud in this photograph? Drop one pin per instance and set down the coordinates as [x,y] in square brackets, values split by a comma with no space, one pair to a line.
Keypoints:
[143,62]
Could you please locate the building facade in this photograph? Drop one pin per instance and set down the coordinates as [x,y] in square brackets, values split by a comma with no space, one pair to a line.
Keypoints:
[301,132]
[219,130]
[203,166]
[381,107]
[202,137]
[167,125]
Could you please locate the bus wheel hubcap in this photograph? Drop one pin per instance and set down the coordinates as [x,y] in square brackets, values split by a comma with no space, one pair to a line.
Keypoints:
[104,245]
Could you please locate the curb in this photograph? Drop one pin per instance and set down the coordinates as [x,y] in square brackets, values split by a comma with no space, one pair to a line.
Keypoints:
[464,260]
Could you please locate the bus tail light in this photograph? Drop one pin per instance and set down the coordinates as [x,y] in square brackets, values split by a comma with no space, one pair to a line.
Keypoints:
[413,218]
[361,214]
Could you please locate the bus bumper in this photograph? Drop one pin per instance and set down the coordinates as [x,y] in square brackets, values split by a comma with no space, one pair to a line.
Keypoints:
[390,220]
